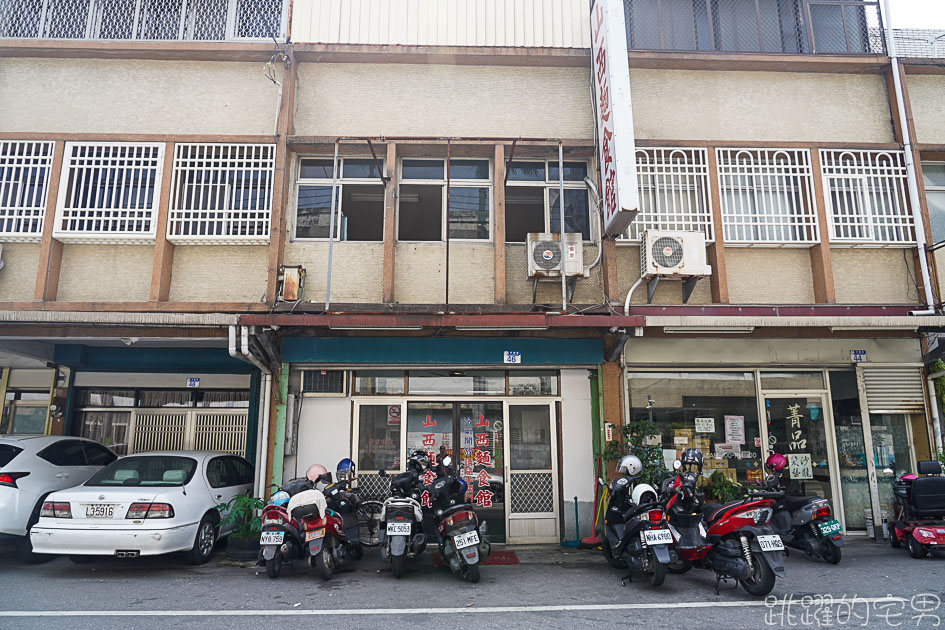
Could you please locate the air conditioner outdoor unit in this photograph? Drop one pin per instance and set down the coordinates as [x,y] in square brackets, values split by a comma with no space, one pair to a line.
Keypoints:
[544,254]
[673,255]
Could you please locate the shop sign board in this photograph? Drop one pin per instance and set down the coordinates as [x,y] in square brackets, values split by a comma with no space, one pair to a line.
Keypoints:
[615,141]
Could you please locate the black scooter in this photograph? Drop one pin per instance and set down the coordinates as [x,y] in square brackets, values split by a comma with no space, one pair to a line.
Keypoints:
[805,523]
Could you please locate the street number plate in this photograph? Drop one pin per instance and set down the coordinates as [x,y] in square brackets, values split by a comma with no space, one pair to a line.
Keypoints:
[398,529]
[271,538]
[830,527]
[771,543]
[658,537]
[315,535]
[466,540]
[99,510]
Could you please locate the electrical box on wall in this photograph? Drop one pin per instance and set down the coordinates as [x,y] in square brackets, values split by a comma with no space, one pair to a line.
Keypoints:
[291,283]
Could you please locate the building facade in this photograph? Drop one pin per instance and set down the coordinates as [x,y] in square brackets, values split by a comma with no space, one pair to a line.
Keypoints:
[301,232]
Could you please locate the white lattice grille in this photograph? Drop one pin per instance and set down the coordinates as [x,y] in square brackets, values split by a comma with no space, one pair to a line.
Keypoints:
[221,193]
[531,493]
[24,184]
[373,487]
[159,432]
[108,192]
[767,196]
[673,185]
[220,431]
[198,20]
[866,196]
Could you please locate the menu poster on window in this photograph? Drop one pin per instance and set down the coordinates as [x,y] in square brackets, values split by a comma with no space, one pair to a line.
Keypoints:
[725,450]
[705,425]
[799,465]
[735,429]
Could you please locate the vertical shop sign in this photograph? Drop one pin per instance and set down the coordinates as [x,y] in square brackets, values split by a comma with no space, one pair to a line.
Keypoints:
[615,141]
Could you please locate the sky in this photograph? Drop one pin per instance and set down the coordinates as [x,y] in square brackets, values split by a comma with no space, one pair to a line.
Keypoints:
[918,13]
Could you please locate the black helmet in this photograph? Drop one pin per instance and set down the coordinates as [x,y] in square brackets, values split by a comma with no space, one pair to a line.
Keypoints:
[419,461]
[691,460]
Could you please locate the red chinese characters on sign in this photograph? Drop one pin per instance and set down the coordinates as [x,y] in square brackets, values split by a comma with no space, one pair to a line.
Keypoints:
[482,422]
[428,422]
[425,499]
[482,439]
[484,498]
[604,115]
[429,439]
[428,477]
[483,479]
[483,458]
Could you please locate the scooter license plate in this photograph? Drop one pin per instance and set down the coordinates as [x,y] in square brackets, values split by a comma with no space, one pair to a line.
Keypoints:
[830,527]
[314,535]
[398,529]
[466,540]
[771,543]
[658,537]
[271,538]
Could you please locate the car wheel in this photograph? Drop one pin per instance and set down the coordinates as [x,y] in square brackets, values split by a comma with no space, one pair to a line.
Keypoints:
[915,549]
[831,552]
[472,573]
[24,551]
[203,542]
[274,565]
[894,541]
[325,564]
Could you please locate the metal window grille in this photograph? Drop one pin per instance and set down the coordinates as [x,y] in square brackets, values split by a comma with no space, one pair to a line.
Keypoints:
[221,193]
[220,431]
[24,185]
[189,20]
[108,193]
[866,196]
[767,196]
[323,381]
[673,185]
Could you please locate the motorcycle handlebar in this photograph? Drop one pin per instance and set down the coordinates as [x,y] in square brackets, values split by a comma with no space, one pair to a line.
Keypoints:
[765,494]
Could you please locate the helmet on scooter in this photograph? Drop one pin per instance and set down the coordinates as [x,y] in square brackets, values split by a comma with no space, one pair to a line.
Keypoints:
[279,498]
[345,470]
[643,493]
[463,486]
[630,465]
[776,462]
[316,473]
[691,460]
[419,461]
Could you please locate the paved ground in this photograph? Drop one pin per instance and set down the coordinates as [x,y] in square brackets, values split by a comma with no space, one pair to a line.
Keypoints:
[553,588]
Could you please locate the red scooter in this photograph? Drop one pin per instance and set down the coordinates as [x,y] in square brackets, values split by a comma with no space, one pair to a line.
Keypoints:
[732,539]
[919,510]
[331,535]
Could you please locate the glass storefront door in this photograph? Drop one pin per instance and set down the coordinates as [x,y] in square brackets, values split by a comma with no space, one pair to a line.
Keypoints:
[891,451]
[531,472]
[797,429]
[851,450]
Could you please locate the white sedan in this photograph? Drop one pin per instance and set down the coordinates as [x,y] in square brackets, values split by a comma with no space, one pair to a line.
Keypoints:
[144,504]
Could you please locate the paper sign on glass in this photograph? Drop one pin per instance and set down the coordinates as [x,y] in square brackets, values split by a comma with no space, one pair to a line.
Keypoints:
[735,429]
[800,466]
[705,425]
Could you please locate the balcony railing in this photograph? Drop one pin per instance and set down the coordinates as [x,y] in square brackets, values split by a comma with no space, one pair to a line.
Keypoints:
[755,26]
[147,20]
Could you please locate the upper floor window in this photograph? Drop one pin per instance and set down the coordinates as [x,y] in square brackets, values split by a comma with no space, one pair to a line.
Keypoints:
[24,184]
[359,199]
[767,196]
[221,193]
[673,185]
[425,214]
[934,175]
[532,195]
[190,20]
[866,196]
[109,192]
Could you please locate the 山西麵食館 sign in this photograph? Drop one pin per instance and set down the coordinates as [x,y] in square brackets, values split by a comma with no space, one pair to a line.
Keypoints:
[615,142]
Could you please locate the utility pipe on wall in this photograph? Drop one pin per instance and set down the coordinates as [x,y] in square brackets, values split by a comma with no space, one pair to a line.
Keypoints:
[564,279]
[239,349]
[331,223]
[936,421]
[912,181]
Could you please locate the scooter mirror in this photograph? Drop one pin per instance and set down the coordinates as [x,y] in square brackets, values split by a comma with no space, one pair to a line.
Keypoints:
[447,461]
[677,465]
[381,473]
[887,471]
[600,482]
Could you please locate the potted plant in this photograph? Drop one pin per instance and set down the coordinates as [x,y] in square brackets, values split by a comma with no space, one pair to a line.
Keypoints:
[240,517]
[721,488]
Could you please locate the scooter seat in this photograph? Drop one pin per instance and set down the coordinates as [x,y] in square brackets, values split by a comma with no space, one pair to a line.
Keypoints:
[793,504]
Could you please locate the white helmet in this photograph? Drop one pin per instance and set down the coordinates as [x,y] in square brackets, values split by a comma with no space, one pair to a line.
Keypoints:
[630,465]
[643,493]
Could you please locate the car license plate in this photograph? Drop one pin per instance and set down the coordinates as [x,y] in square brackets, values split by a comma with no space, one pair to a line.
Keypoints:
[771,543]
[271,538]
[100,510]
[398,529]
[315,535]
[830,527]
[466,540]
[658,537]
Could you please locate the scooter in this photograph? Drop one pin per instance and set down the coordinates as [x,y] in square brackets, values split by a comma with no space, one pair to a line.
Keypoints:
[732,539]
[919,508]
[804,523]
[401,522]
[280,539]
[330,538]
[463,540]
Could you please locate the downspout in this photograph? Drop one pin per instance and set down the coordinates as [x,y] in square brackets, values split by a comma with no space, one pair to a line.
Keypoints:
[331,233]
[626,302]
[239,351]
[936,422]
[564,279]
[912,182]
[595,200]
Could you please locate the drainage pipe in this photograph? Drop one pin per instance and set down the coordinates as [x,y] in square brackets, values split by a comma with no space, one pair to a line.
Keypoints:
[912,181]
[331,222]
[936,422]
[626,303]
[239,349]
[564,279]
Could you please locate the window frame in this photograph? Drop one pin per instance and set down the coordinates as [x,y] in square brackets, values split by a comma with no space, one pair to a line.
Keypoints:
[17,402]
[933,188]
[345,387]
[34,161]
[548,184]
[341,180]
[444,199]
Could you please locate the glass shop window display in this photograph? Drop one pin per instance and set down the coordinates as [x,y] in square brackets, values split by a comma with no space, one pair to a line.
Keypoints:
[714,412]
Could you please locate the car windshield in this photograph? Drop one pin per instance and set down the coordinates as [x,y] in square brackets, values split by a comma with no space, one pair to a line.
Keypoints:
[146,470]
[7,453]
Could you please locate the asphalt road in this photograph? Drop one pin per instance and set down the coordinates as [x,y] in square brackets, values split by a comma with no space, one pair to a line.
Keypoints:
[552,588]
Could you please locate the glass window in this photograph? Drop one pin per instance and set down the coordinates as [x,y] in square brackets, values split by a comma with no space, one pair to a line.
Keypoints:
[217,472]
[316,168]
[420,213]
[7,453]
[231,399]
[573,171]
[96,455]
[469,213]
[530,437]
[479,383]
[933,173]
[576,218]
[105,398]
[361,168]
[797,430]
[152,399]
[422,169]
[851,452]
[524,213]
[36,396]
[527,171]
[323,381]
[481,461]
[430,428]
[714,412]
[313,211]
[146,470]
[379,382]
[361,216]
[533,383]
[792,380]
[65,453]
[107,427]
[469,169]
[379,437]
[244,470]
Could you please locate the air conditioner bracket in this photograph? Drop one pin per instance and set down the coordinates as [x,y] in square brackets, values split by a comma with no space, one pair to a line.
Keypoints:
[651,288]
[572,285]
[688,286]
